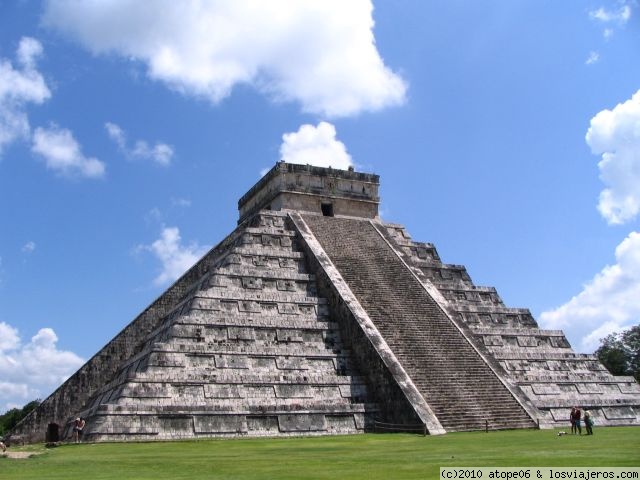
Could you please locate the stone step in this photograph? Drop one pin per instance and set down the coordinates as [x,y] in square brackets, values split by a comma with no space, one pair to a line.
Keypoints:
[441,362]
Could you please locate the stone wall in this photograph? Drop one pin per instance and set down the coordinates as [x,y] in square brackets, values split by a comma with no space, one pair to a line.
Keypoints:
[313,203]
[540,363]
[249,349]
[71,397]
[304,188]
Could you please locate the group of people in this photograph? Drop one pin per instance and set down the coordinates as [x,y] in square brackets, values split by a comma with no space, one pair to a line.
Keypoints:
[576,416]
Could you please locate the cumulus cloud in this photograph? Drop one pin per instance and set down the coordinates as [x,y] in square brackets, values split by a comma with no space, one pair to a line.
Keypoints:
[174,257]
[606,304]
[18,88]
[34,369]
[161,153]
[62,153]
[9,338]
[315,146]
[320,54]
[615,135]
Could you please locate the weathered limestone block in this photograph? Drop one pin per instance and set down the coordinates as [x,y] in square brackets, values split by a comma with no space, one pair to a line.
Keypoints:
[262,424]
[261,391]
[619,413]
[232,361]
[289,335]
[340,423]
[628,385]
[288,309]
[302,423]
[294,391]
[220,424]
[240,333]
[223,391]
[292,363]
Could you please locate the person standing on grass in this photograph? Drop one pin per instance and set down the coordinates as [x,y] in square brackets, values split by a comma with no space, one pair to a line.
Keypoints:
[572,419]
[578,416]
[588,422]
[78,426]
[81,428]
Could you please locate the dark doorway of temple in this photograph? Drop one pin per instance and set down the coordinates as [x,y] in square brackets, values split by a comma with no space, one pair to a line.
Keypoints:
[327,209]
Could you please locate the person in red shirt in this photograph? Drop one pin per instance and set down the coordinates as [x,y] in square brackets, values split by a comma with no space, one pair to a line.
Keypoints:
[576,415]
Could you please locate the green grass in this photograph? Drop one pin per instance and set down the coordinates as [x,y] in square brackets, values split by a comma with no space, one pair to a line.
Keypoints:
[360,456]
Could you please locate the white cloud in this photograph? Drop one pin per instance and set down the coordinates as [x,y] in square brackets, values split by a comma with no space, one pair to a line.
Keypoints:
[620,16]
[320,54]
[608,303]
[161,153]
[34,369]
[28,51]
[19,87]
[63,154]
[592,58]
[29,247]
[615,134]
[9,338]
[315,146]
[174,257]
[612,18]
[116,134]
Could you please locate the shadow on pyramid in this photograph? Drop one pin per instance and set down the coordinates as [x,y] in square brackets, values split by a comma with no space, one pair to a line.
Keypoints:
[314,317]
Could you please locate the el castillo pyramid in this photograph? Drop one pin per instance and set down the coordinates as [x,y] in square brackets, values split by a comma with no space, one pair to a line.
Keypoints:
[315,317]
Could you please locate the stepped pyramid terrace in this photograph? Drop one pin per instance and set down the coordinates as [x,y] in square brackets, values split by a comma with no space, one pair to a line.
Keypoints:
[314,317]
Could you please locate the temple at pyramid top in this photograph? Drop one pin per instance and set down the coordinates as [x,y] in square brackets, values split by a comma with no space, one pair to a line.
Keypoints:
[306,188]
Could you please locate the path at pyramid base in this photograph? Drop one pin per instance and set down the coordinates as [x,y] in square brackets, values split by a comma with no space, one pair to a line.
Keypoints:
[313,317]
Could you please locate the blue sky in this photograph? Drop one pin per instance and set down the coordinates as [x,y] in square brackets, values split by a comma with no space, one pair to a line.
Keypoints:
[505,132]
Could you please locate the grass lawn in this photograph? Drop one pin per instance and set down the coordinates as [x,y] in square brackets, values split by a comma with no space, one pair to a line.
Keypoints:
[367,456]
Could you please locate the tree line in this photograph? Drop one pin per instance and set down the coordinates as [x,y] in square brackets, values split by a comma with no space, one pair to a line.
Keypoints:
[620,352]
[10,418]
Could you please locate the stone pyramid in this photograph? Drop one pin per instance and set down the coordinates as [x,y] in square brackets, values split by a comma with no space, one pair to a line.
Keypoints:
[314,317]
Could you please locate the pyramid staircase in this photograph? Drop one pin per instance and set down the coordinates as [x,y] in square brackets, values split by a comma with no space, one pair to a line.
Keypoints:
[541,363]
[461,389]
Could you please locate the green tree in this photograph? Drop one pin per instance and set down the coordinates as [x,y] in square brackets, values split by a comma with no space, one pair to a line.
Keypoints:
[10,418]
[620,352]
[631,339]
